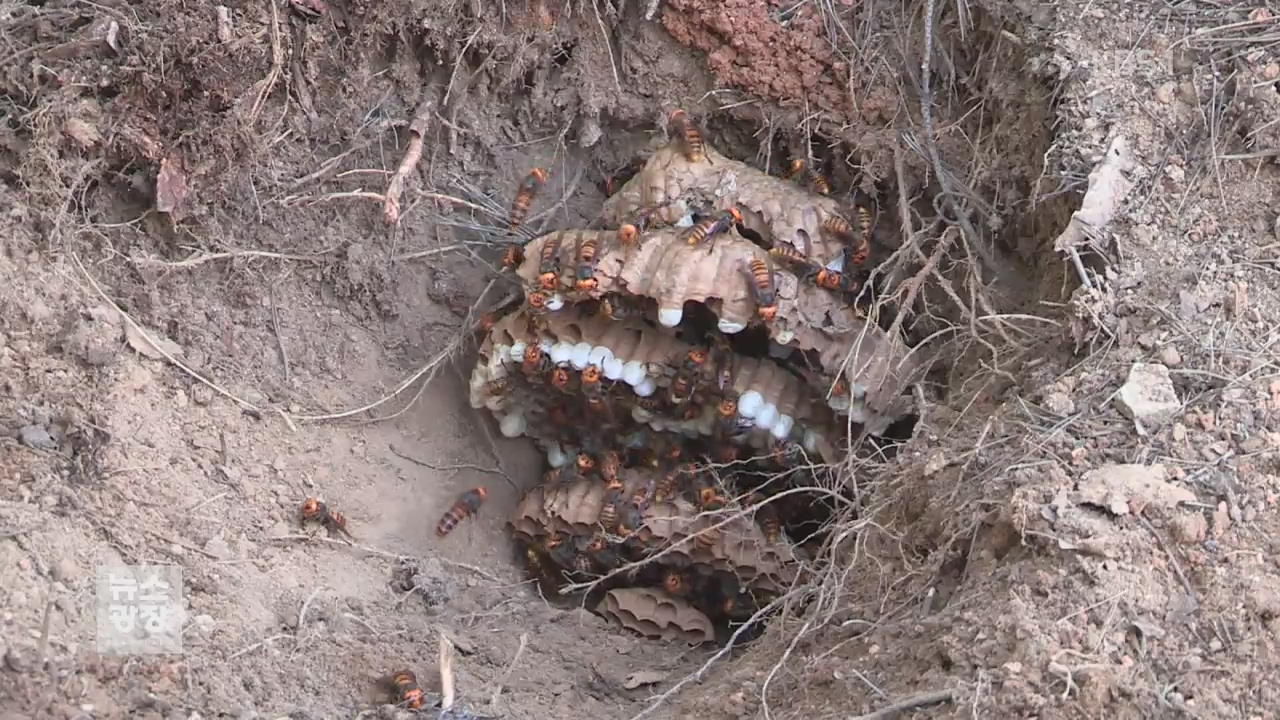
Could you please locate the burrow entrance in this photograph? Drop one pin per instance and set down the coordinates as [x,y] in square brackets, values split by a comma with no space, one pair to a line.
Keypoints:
[711,383]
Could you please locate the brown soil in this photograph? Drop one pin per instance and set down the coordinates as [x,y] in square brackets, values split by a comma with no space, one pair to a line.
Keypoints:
[977,563]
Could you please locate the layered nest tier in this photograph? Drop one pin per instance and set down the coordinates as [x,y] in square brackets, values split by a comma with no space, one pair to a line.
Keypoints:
[683,368]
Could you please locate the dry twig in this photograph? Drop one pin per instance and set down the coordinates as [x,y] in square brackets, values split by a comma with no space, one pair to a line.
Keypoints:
[412,154]
[497,691]
[911,702]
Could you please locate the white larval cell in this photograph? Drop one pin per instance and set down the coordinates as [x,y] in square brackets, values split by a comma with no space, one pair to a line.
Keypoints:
[555,302]
[546,345]
[556,456]
[785,336]
[782,428]
[599,356]
[767,417]
[516,352]
[859,391]
[633,373]
[646,387]
[561,352]
[581,356]
[729,327]
[613,369]
[513,425]
[749,404]
[670,317]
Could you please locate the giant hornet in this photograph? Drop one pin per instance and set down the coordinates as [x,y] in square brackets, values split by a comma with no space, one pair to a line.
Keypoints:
[629,232]
[534,562]
[709,497]
[587,264]
[760,279]
[467,505]
[512,257]
[585,463]
[524,195]
[601,554]
[802,173]
[619,307]
[405,686]
[723,358]
[561,378]
[314,510]
[677,582]
[535,361]
[726,418]
[559,550]
[549,263]
[812,271]
[712,226]
[610,465]
[590,379]
[681,127]
[857,243]
[609,510]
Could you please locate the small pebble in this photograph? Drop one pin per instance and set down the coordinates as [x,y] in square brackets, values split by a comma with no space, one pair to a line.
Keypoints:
[14,660]
[37,437]
[1170,356]
[218,548]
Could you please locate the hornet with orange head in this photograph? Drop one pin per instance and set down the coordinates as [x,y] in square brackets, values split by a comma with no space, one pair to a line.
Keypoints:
[587,263]
[856,242]
[466,506]
[807,176]
[707,229]
[760,278]
[561,379]
[535,361]
[407,693]
[314,510]
[525,194]
[681,127]
[549,262]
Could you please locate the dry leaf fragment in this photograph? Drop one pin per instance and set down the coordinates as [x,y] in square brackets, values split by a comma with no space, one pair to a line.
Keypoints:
[84,134]
[143,346]
[1108,185]
[171,184]
[643,677]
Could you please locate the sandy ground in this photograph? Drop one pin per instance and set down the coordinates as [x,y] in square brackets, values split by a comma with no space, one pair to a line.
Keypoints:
[999,563]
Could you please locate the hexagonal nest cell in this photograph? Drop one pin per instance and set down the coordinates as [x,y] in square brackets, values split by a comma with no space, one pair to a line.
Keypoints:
[684,367]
